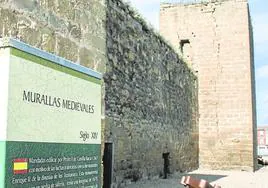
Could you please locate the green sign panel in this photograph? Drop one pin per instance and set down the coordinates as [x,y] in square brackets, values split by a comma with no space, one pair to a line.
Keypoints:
[50,120]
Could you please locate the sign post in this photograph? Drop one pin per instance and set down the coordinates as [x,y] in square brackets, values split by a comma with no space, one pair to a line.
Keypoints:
[50,120]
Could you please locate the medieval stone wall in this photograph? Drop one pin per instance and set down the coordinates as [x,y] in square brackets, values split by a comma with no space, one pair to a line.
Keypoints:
[216,39]
[74,30]
[151,100]
[150,93]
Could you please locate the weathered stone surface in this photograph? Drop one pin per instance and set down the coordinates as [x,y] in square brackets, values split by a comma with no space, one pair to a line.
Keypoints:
[73,29]
[67,48]
[92,58]
[221,52]
[8,25]
[60,27]
[150,93]
[151,100]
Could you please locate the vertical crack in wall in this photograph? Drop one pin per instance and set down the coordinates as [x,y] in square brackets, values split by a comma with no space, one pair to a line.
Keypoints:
[216,45]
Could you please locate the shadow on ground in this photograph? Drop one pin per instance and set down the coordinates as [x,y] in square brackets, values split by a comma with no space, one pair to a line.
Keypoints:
[173,181]
[207,177]
[226,179]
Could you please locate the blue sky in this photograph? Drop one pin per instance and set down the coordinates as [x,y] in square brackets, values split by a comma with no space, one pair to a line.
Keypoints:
[259,13]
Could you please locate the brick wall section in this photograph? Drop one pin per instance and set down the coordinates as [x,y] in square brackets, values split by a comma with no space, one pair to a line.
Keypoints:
[151,100]
[221,53]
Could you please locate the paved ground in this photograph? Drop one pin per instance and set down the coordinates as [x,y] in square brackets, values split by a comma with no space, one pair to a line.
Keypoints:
[226,179]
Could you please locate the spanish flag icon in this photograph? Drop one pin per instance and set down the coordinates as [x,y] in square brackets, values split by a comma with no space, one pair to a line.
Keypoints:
[20,166]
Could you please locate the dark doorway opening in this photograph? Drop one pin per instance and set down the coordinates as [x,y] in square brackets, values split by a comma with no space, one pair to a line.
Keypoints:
[107,165]
[166,164]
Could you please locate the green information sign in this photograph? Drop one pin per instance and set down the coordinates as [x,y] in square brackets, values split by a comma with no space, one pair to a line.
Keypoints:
[50,120]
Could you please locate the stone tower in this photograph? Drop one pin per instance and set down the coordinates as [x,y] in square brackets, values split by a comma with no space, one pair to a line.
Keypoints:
[215,39]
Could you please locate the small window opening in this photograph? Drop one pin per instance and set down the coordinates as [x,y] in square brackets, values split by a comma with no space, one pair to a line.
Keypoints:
[183,43]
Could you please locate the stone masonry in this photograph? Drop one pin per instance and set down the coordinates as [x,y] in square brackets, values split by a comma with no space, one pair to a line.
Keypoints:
[216,40]
[73,29]
[149,93]
[150,99]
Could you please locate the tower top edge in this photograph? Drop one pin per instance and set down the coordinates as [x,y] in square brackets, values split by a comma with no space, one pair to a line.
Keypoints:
[168,3]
